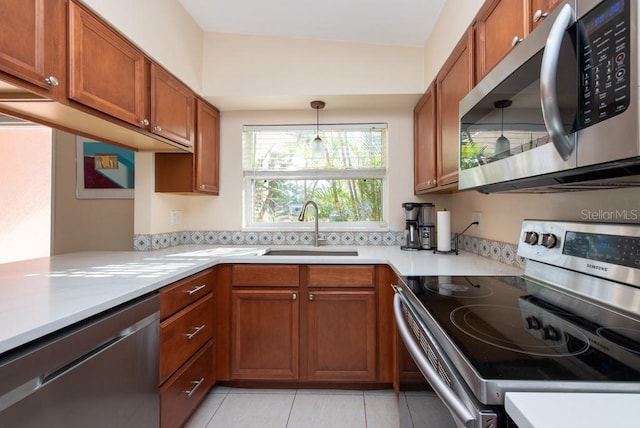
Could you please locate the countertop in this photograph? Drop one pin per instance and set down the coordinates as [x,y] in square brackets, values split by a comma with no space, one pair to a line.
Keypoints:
[41,296]
[561,410]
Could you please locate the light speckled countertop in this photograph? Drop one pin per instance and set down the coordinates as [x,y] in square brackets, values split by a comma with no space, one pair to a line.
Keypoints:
[41,296]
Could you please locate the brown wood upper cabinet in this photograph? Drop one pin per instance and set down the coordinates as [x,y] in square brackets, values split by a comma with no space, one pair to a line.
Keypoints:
[199,171]
[538,10]
[207,150]
[436,122]
[106,72]
[453,82]
[425,135]
[32,45]
[172,108]
[500,25]
[111,75]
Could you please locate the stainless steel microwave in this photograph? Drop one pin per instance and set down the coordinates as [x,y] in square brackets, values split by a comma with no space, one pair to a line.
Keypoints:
[560,111]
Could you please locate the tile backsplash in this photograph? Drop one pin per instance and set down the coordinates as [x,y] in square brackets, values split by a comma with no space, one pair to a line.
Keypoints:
[499,251]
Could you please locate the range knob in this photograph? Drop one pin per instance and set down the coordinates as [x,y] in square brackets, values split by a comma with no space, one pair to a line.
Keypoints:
[549,240]
[531,238]
[550,333]
[533,323]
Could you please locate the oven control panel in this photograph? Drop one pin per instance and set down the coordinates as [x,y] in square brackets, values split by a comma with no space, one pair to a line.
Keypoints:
[607,250]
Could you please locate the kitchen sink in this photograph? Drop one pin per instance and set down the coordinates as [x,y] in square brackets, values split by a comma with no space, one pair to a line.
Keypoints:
[309,252]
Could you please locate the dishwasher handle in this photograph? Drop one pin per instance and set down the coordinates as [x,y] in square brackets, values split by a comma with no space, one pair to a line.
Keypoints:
[458,410]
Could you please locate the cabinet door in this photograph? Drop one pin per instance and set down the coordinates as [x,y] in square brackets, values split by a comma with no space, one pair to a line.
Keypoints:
[172,107]
[424,141]
[32,43]
[105,71]
[341,336]
[453,82]
[539,9]
[207,150]
[499,27]
[264,334]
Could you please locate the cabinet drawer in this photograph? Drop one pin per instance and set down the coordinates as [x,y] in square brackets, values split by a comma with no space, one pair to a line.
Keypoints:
[180,395]
[341,276]
[184,333]
[265,275]
[184,292]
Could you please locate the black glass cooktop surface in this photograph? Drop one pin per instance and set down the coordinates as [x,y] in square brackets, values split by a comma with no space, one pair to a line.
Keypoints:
[510,328]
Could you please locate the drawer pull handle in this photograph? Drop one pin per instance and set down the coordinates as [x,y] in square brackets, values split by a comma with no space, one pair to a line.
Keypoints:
[195,289]
[196,385]
[196,330]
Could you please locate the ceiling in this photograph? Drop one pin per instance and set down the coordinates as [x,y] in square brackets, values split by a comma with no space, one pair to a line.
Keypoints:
[397,22]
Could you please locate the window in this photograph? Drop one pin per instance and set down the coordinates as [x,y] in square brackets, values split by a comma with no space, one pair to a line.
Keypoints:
[345,175]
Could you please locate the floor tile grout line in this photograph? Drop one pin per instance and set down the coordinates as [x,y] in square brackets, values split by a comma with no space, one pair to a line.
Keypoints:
[226,394]
[293,402]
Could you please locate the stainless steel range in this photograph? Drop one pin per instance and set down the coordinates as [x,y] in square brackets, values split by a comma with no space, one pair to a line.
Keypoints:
[570,323]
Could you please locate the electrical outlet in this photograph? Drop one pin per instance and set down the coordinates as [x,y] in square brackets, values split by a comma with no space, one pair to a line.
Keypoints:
[476,216]
[176,217]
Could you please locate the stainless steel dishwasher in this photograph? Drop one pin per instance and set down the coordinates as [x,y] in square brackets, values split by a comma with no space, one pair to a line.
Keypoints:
[102,372]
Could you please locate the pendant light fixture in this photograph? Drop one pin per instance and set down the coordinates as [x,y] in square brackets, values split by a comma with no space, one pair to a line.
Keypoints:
[317,145]
[503,145]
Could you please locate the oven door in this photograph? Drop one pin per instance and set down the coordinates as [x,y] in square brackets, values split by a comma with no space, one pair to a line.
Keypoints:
[466,411]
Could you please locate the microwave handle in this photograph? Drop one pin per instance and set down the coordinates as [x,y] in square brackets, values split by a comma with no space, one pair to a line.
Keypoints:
[548,93]
[457,408]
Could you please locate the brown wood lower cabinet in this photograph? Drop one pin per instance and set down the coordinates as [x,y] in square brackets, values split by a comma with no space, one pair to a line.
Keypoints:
[341,336]
[187,365]
[182,392]
[264,334]
[310,323]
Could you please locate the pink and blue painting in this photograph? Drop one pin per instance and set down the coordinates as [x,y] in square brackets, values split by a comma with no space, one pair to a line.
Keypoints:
[104,171]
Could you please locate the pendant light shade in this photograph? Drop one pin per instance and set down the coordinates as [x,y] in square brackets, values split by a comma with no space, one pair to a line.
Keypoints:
[317,145]
[503,145]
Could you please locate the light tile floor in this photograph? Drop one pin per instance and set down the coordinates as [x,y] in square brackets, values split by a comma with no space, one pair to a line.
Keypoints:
[289,408]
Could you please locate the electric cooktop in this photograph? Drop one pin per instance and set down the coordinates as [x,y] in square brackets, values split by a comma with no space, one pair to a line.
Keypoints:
[516,329]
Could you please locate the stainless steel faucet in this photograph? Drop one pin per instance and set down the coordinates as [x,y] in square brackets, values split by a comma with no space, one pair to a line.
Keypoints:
[301,218]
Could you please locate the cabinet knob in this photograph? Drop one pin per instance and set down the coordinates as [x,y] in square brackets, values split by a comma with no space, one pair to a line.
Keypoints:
[538,15]
[51,81]
[157,128]
[515,40]
[144,122]
[310,296]
[202,187]
[294,296]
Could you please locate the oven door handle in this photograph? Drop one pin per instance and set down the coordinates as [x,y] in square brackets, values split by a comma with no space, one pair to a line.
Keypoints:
[548,92]
[458,410]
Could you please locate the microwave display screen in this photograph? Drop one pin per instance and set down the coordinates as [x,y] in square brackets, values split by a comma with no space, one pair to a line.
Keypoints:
[604,38]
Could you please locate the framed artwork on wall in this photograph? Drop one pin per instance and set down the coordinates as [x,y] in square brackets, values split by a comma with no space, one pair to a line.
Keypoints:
[103,171]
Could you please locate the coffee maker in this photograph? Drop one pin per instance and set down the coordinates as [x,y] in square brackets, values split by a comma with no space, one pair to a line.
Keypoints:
[427,226]
[419,233]
[411,231]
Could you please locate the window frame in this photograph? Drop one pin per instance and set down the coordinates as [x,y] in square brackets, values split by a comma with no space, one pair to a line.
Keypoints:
[249,177]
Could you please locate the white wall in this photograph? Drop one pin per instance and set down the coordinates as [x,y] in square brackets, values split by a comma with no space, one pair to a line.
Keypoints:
[224,212]
[240,65]
[163,29]
[455,18]
[85,224]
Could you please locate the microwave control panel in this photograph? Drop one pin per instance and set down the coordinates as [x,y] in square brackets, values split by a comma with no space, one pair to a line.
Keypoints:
[604,41]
